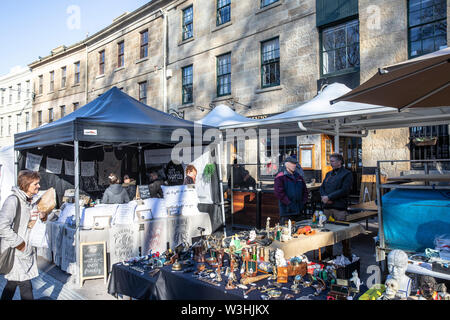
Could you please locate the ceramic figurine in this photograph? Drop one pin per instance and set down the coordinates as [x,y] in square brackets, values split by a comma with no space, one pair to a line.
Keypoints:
[356,281]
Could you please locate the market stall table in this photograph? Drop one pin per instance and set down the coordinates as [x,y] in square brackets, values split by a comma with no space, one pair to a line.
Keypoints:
[177,285]
[306,243]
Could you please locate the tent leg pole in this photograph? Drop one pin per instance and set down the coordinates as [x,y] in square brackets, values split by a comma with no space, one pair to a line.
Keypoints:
[77,211]
[336,137]
[219,165]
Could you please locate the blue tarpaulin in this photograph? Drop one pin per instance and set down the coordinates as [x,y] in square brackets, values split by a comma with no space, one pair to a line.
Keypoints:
[412,219]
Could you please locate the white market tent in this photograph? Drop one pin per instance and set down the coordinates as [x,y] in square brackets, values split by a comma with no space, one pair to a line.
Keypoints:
[344,118]
[223,115]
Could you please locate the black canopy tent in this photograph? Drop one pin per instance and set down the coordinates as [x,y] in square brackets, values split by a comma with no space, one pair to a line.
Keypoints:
[118,120]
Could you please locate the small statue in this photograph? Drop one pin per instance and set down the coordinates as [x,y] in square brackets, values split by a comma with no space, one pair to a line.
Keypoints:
[356,281]
[268,226]
[252,237]
[321,219]
[428,288]
[397,265]
[279,258]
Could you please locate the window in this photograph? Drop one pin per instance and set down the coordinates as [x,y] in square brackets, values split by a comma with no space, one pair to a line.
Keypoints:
[224,75]
[428,143]
[19,90]
[9,125]
[18,122]
[187,75]
[63,77]
[39,114]
[28,88]
[1,127]
[143,92]
[3,96]
[52,81]
[144,44]
[120,54]
[10,94]
[340,48]
[270,63]
[265,3]
[27,121]
[63,111]
[77,72]
[101,62]
[51,117]
[287,146]
[75,105]
[188,23]
[223,11]
[427,26]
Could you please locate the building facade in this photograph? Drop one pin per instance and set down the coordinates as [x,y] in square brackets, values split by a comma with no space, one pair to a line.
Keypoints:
[15,104]
[260,57]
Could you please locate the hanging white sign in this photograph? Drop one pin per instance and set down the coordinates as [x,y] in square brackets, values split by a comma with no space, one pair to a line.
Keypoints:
[33,162]
[54,165]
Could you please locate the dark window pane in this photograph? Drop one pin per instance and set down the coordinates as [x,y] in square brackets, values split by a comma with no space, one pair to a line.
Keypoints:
[341,59]
[414,5]
[426,15]
[428,45]
[414,18]
[440,28]
[427,31]
[440,42]
[415,34]
[353,55]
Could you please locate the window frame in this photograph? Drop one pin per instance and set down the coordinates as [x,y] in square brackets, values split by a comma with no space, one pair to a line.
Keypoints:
[51,115]
[121,54]
[219,75]
[61,109]
[275,61]
[219,10]
[143,97]
[262,5]
[18,122]
[77,66]
[101,62]
[421,25]
[75,106]
[19,91]
[144,44]
[63,77]
[341,24]
[184,84]
[184,24]
[27,121]
[52,81]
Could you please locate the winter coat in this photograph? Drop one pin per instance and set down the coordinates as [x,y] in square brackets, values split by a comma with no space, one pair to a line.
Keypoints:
[25,263]
[291,191]
[337,185]
[130,188]
[115,194]
[155,189]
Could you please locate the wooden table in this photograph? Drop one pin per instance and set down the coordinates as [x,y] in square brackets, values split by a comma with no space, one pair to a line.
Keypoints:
[304,243]
[362,211]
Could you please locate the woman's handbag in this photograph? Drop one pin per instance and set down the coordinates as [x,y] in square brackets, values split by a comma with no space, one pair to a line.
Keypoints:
[7,257]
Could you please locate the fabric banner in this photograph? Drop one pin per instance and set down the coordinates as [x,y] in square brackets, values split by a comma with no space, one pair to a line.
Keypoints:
[54,166]
[87,168]
[69,167]
[33,162]
[123,242]
[68,257]
[57,240]
[203,183]
[179,231]
[155,236]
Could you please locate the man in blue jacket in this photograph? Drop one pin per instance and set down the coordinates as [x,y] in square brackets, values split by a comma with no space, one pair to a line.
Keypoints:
[335,189]
[290,189]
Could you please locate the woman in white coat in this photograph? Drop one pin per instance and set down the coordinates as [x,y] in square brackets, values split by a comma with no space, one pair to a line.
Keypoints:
[25,264]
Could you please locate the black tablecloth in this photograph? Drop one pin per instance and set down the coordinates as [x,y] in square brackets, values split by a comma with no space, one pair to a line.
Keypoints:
[176,285]
[129,282]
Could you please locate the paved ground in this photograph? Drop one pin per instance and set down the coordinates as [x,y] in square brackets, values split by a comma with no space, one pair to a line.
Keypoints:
[54,284]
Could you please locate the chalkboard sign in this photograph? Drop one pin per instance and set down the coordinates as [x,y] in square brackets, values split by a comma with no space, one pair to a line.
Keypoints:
[93,261]
[143,191]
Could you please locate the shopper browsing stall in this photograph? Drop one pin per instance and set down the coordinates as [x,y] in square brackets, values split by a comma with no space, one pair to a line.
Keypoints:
[115,193]
[18,206]
[191,174]
[130,186]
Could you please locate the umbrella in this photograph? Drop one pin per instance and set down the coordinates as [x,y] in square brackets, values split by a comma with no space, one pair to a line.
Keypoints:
[417,83]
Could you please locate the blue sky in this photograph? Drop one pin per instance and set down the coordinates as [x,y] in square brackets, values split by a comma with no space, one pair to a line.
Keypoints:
[32,28]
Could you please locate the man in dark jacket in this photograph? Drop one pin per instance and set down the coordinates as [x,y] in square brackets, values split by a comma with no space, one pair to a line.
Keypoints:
[335,189]
[291,191]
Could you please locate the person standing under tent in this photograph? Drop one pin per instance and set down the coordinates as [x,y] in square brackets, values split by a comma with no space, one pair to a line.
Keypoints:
[115,193]
[334,191]
[291,191]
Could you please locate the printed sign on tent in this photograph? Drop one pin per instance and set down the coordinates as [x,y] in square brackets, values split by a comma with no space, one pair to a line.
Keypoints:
[54,165]
[87,168]
[69,167]
[33,162]
[124,242]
